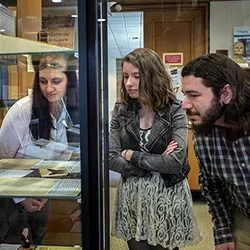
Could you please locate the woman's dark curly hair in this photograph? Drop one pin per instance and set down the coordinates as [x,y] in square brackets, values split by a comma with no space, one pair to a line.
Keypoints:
[155,88]
[217,70]
[40,106]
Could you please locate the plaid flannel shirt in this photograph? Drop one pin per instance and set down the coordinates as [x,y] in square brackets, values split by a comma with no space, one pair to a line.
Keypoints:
[224,178]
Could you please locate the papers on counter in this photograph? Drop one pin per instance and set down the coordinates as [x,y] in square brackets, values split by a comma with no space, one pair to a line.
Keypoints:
[14,173]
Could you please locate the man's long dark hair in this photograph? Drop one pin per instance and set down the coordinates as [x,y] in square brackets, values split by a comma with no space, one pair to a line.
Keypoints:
[40,106]
[217,70]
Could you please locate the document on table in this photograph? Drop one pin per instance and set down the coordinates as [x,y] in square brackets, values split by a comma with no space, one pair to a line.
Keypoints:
[66,187]
[18,163]
[39,187]
[9,247]
[56,146]
[14,173]
[71,166]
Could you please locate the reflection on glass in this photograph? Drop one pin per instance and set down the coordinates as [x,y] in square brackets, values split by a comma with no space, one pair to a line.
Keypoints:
[40,176]
[36,127]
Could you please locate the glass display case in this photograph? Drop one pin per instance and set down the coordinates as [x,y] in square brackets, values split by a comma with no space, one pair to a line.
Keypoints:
[51,167]
[60,77]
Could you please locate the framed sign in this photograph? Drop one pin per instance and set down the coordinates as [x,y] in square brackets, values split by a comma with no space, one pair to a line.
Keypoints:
[173,58]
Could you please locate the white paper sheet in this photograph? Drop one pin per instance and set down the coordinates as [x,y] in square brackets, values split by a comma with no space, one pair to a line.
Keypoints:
[14,173]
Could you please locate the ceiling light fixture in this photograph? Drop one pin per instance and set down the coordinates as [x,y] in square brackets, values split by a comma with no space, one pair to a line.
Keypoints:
[56,1]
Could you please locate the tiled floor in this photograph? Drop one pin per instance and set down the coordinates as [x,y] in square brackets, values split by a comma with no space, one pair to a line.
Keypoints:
[203,220]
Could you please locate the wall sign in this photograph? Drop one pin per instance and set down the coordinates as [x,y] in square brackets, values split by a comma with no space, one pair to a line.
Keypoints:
[173,58]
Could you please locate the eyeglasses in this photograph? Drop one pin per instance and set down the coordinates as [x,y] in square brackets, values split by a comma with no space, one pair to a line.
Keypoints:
[45,65]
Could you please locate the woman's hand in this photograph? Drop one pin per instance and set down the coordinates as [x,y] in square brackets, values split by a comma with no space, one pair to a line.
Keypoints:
[127,154]
[33,205]
[170,148]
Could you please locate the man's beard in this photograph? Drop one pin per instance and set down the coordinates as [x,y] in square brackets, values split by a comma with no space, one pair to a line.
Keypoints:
[212,115]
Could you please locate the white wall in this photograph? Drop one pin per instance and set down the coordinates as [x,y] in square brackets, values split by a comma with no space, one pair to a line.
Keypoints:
[112,83]
[224,16]
[113,176]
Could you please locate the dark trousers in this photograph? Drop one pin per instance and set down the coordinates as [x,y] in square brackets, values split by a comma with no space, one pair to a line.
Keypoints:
[13,218]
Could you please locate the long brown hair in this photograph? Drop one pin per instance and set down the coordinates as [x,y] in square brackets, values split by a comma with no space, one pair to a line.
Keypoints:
[155,88]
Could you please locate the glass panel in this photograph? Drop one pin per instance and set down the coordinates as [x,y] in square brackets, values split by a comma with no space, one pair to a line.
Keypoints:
[40,166]
[140,186]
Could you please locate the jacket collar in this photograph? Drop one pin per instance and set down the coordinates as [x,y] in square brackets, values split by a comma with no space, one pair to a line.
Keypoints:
[160,126]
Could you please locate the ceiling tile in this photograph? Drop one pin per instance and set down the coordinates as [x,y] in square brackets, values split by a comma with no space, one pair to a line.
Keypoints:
[125,33]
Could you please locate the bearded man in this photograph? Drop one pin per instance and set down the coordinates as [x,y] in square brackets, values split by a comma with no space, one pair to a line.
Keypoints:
[217,102]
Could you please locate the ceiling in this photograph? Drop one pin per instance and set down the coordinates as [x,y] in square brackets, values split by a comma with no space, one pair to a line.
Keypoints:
[48,3]
[45,3]
[125,33]
[125,29]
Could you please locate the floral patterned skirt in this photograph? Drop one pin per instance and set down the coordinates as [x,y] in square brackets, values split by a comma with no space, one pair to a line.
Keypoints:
[145,209]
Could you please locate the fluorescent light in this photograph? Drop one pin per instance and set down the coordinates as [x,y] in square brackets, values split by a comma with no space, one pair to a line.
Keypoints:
[56,1]
[101,20]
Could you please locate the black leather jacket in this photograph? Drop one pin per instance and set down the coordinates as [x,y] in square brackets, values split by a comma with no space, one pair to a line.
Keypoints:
[170,124]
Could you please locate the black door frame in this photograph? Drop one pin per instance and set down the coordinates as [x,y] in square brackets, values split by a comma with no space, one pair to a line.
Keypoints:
[93,77]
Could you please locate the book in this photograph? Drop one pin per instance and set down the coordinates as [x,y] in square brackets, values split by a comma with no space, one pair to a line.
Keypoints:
[53,172]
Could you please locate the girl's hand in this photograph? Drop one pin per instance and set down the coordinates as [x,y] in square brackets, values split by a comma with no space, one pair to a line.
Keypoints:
[31,205]
[170,148]
[127,154]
